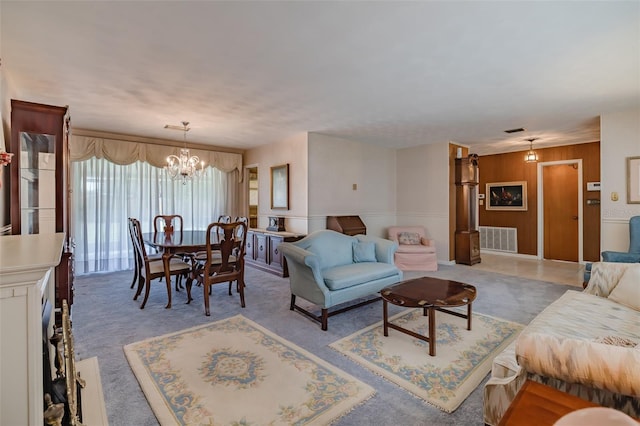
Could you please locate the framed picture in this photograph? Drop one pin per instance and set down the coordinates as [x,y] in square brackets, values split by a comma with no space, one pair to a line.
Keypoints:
[507,196]
[633,180]
[280,187]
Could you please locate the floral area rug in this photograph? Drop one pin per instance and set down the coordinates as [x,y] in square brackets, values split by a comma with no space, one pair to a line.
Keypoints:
[235,372]
[463,358]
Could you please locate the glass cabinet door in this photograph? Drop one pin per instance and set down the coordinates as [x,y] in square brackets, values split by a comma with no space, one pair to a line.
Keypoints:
[37,183]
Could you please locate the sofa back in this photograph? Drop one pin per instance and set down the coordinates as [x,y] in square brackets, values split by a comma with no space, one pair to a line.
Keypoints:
[393,231]
[331,247]
[634,234]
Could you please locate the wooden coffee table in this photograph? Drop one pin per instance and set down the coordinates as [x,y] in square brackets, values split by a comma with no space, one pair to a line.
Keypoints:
[430,294]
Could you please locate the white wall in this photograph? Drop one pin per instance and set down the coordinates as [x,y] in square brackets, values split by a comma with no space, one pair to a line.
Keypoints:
[422,192]
[294,152]
[335,165]
[620,138]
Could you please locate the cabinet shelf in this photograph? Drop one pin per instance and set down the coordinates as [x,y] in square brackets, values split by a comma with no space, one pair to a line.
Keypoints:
[40,182]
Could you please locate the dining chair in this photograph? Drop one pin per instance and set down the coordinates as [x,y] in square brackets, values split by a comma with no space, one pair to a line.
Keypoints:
[155,257]
[201,256]
[169,223]
[150,270]
[224,260]
[224,219]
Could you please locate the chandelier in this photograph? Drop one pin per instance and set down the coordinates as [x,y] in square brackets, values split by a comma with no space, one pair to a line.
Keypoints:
[531,156]
[184,167]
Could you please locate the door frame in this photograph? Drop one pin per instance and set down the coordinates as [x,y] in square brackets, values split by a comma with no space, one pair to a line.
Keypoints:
[245,188]
[540,170]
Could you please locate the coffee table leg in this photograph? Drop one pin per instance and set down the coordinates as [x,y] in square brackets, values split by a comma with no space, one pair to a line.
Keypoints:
[385,318]
[432,331]
[469,317]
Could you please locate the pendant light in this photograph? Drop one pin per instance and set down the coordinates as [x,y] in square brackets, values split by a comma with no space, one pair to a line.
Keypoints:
[184,167]
[531,156]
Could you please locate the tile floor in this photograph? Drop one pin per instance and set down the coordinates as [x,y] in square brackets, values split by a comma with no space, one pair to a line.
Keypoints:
[545,270]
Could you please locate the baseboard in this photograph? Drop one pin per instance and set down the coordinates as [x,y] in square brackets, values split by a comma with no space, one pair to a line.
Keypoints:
[505,253]
[94,411]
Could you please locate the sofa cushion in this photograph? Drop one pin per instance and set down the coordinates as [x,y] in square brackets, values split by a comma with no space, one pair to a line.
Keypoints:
[364,251]
[627,291]
[415,249]
[344,276]
[408,238]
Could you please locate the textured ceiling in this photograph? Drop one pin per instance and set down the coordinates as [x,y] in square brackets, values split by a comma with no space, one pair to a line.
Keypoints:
[397,74]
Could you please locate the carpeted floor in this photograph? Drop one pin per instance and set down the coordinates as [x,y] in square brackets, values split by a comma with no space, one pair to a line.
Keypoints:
[105,318]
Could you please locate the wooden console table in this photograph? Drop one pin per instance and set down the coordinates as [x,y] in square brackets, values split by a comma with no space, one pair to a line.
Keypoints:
[540,405]
[262,250]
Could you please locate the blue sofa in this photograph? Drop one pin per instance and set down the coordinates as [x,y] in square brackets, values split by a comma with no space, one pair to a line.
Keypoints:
[327,268]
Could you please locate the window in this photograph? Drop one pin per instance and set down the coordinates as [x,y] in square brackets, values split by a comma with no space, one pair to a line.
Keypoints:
[106,194]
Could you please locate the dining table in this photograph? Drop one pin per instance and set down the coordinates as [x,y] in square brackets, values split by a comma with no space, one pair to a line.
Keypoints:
[178,241]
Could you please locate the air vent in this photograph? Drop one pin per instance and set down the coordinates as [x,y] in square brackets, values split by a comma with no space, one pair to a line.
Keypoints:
[520,129]
[499,239]
[182,128]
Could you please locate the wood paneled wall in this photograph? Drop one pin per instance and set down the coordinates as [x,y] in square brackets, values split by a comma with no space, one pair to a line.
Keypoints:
[511,167]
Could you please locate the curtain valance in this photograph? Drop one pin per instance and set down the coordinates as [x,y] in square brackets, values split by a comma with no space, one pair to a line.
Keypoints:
[128,152]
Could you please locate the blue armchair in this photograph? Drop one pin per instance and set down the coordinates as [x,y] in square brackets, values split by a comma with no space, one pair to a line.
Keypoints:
[631,256]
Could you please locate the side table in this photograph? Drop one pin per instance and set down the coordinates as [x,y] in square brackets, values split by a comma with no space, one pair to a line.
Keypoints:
[540,405]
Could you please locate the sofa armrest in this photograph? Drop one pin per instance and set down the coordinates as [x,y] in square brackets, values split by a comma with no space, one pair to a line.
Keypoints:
[296,255]
[618,256]
[385,249]
[427,242]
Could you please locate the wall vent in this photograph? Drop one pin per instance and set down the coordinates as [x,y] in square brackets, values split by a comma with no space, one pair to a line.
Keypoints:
[499,239]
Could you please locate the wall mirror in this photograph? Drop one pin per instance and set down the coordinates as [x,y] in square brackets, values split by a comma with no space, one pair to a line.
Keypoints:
[280,187]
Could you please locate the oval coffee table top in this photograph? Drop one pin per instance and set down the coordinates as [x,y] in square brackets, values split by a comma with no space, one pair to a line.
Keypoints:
[428,291]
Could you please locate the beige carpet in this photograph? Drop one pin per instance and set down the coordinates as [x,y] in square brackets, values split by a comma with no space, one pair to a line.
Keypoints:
[235,372]
[463,358]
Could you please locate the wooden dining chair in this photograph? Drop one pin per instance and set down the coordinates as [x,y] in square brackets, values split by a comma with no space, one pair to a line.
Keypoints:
[170,223]
[224,261]
[224,219]
[167,223]
[201,256]
[150,270]
[155,257]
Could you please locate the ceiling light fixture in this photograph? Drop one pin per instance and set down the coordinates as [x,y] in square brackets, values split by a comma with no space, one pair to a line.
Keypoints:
[184,167]
[531,156]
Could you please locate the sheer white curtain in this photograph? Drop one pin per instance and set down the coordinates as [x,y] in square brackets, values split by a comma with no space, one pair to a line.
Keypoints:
[106,194]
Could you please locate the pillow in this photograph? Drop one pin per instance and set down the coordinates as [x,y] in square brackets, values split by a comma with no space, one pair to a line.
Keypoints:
[627,291]
[617,341]
[412,238]
[364,251]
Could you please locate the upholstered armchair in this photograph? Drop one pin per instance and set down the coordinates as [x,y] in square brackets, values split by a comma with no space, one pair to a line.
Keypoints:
[631,256]
[415,251]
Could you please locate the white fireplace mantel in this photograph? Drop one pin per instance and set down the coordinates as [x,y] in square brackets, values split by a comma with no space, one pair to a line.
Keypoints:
[27,277]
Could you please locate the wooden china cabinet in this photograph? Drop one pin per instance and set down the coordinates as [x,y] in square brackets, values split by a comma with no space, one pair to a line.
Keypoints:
[40,196]
[467,237]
